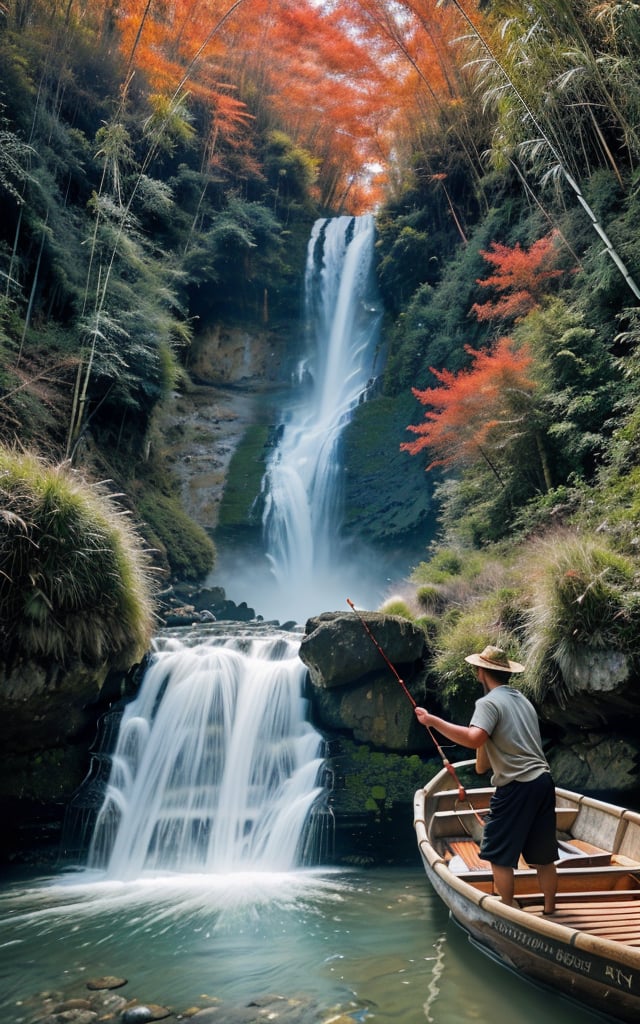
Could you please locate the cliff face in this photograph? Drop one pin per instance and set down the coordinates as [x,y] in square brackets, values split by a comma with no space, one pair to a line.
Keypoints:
[236,374]
[48,723]
[218,433]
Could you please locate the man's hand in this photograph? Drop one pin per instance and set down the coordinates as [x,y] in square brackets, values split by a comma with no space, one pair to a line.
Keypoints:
[463,735]
[423,716]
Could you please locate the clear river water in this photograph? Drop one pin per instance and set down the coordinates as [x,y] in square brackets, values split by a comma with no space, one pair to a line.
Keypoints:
[372,945]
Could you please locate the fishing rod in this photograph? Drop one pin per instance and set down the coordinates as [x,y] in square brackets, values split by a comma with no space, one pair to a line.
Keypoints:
[445,760]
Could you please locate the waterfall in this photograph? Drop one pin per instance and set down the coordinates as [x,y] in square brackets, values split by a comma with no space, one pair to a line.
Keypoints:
[311,563]
[215,768]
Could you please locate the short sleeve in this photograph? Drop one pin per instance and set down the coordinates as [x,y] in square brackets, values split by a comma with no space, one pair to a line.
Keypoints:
[485,716]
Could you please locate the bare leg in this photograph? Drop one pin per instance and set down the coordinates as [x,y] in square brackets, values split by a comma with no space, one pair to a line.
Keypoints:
[504,883]
[547,880]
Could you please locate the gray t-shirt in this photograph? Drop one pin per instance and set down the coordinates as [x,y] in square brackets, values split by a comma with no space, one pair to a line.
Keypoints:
[514,746]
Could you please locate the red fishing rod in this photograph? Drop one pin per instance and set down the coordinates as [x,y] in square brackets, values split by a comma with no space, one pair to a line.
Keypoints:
[447,764]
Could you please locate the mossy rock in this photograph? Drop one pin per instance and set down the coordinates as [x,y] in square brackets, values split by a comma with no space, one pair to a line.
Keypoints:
[374,780]
[190,552]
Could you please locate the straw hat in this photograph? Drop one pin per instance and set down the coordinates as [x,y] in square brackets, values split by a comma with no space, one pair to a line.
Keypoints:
[495,660]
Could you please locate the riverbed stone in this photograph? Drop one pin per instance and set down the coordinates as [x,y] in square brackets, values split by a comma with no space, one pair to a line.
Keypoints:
[73,1004]
[70,1017]
[108,981]
[143,1013]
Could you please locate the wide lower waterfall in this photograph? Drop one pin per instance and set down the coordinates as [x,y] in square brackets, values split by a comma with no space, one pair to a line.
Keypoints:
[216,768]
[313,567]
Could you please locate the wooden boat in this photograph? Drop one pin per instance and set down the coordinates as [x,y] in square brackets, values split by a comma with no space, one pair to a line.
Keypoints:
[589,949]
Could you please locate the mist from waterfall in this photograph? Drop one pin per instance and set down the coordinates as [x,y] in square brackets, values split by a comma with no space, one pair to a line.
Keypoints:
[216,768]
[313,568]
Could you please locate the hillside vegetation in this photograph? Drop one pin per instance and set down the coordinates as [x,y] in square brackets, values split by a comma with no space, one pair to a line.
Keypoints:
[160,169]
[510,264]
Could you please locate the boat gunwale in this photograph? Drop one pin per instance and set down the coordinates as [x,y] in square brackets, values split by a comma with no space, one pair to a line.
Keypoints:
[491,904]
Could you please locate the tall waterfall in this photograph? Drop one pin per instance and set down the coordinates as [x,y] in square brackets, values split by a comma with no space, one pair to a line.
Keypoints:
[313,567]
[215,768]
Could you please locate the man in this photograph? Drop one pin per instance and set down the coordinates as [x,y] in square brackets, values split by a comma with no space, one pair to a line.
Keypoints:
[505,732]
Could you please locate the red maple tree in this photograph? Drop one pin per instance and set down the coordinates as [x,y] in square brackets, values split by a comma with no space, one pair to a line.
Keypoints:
[521,277]
[480,407]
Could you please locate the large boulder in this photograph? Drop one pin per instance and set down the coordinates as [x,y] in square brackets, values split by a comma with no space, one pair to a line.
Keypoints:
[353,690]
[599,689]
[597,763]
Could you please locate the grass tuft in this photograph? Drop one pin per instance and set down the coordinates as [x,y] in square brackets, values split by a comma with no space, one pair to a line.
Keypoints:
[582,596]
[75,581]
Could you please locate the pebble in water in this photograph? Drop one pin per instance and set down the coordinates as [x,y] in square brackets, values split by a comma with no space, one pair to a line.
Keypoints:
[107,982]
[103,1004]
[144,1013]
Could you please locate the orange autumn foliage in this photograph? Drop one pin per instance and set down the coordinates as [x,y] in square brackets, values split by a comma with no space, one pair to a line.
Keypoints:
[481,405]
[521,278]
[344,80]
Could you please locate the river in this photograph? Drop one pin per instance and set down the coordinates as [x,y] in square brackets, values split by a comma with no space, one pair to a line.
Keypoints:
[364,946]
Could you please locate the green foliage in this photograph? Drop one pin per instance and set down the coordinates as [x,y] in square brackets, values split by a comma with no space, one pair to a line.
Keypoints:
[581,595]
[579,382]
[189,550]
[375,779]
[242,251]
[74,578]
[492,614]
[291,172]
[429,598]
[446,564]
[15,157]
[397,606]
[434,323]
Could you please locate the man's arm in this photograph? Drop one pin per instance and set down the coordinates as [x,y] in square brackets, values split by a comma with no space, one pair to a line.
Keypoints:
[463,735]
[482,760]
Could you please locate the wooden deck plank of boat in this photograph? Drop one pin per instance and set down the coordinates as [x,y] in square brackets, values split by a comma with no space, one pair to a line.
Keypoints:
[619,921]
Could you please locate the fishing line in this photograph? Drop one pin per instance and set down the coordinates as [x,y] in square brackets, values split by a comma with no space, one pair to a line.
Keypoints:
[462,796]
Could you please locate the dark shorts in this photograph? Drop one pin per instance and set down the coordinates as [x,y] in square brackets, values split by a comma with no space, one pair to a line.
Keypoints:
[522,820]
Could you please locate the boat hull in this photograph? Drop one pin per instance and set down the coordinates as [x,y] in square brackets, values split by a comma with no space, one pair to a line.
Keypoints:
[579,951]
[601,983]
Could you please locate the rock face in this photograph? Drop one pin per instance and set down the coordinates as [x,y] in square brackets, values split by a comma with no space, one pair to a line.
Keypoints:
[353,690]
[596,762]
[228,355]
[599,689]
[48,721]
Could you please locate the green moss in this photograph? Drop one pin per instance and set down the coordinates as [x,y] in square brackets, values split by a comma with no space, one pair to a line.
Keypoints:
[388,496]
[375,780]
[190,552]
[240,505]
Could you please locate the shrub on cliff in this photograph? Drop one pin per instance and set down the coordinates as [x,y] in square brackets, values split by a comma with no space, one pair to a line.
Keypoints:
[74,578]
[580,596]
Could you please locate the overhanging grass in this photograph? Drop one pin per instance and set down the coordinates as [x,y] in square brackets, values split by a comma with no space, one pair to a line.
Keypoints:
[74,577]
[580,595]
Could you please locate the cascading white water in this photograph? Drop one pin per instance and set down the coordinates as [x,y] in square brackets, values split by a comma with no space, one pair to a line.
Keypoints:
[311,564]
[216,768]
